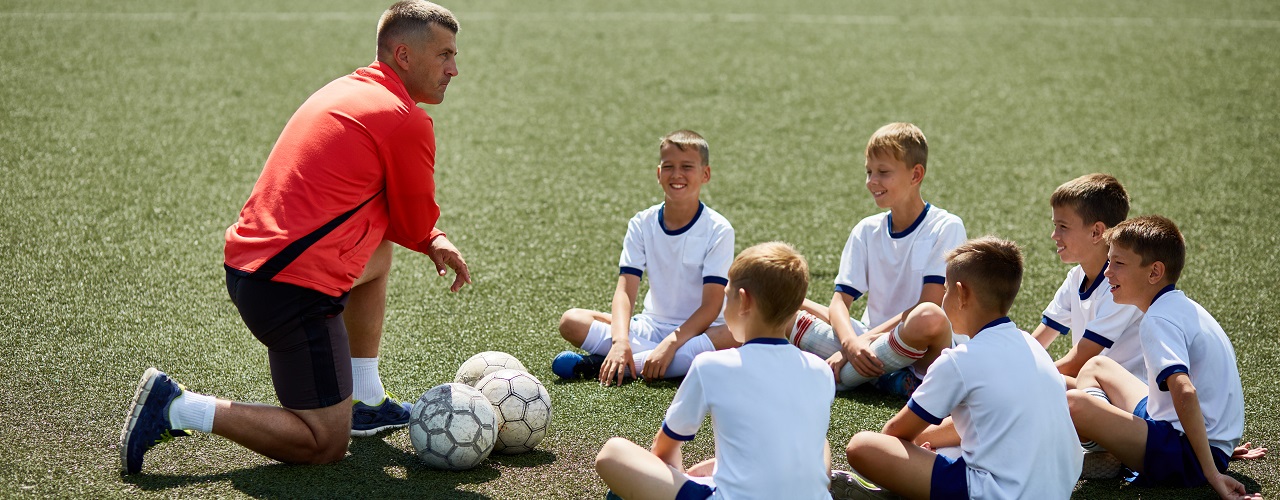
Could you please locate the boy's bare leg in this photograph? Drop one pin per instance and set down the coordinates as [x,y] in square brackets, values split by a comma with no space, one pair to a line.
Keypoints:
[290,436]
[721,337]
[1122,388]
[926,328]
[1113,426]
[816,309]
[367,304]
[635,473]
[576,323]
[896,465]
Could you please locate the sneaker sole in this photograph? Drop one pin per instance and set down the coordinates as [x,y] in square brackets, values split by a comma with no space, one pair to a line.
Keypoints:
[135,410]
[375,430]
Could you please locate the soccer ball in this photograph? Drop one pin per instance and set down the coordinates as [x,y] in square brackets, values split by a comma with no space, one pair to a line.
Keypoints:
[523,407]
[475,368]
[453,427]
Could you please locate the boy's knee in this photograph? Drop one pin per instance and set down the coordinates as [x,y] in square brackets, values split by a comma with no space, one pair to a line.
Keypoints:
[574,324]
[925,324]
[1078,402]
[1097,365]
[855,452]
[610,451]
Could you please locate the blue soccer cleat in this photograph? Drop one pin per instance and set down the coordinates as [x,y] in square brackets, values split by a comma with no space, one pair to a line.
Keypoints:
[570,365]
[369,420]
[147,423]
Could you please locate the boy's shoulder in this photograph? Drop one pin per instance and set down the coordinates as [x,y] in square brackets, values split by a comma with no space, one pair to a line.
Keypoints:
[716,217]
[938,216]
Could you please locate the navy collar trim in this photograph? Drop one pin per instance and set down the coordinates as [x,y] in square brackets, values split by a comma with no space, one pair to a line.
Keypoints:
[767,341]
[913,226]
[1168,288]
[996,323]
[678,231]
[1084,294]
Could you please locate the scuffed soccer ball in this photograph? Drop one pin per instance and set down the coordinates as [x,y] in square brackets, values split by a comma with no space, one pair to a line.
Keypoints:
[453,427]
[476,367]
[523,407]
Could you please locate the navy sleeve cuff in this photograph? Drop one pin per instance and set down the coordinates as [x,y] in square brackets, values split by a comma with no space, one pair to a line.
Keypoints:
[1061,328]
[708,280]
[674,435]
[631,270]
[1106,343]
[1162,381]
[922,413]
[936,280]
[848,290]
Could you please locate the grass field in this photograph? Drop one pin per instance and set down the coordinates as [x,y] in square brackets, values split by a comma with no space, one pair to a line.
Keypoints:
[133,132]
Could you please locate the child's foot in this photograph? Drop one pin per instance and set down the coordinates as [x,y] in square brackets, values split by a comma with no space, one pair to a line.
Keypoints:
[570,365]
[368,420]
[849,485]
[147,423]
[1100,465]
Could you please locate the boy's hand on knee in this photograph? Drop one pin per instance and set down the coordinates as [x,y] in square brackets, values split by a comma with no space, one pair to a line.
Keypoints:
[616,363]
[858,352]
[655,367]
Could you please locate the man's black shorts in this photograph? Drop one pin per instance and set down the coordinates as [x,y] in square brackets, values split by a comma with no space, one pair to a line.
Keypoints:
[305,337]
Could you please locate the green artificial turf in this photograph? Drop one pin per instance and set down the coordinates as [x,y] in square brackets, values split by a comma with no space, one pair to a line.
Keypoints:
[133,132]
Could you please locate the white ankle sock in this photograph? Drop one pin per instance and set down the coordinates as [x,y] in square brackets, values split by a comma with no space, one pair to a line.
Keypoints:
[192,412]
[366,383]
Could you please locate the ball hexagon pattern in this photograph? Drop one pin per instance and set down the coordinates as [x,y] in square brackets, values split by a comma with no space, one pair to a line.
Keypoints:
[453,427]
[523,408]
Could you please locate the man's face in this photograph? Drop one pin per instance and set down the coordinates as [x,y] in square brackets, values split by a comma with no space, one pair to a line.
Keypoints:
[432,63]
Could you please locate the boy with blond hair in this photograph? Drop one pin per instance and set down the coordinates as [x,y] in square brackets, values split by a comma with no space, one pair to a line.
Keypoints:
[1002,389]
[896,259]
[1181,426]
[770,402]
[1083,209]
[686,248]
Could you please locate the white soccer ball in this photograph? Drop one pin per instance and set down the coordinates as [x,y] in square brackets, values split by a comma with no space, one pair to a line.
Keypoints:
[453,427]
[523,407]
[476,367]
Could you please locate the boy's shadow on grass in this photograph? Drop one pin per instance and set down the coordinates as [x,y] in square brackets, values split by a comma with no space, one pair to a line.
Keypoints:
[374,469]
[1095,488]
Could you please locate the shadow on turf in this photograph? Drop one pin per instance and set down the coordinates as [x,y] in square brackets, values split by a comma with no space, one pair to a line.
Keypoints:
[1094,488]
[374,469]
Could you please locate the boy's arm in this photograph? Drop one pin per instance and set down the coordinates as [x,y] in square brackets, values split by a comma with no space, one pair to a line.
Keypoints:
[668,450]
[850,343]
[655,367]
[619,359]
[939,436]
[930,292]
[1187,406]
[858,350]
[1071,363]
[905,425]
[1045,335]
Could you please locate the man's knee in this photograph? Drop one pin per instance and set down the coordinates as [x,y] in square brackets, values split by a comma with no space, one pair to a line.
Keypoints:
[330,432]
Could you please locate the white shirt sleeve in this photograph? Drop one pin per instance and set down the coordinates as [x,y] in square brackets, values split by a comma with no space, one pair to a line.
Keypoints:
[852,278]
[1057,315]
[951,235]
[632,260]
[688,407]
[940,392]
[715,269]
[1165,347]
[1111,322]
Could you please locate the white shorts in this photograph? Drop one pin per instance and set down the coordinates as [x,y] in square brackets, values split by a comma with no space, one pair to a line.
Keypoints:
[646,333]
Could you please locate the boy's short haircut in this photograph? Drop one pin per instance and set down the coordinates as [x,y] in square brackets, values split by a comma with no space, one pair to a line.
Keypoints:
[1154,238]
[901,141]
[1095,197]
[412,17]
[686,139]
[775,275]
[991,267]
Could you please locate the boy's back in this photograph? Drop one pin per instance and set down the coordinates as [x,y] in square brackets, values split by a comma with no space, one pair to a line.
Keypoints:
[1179,335]
[771,407]
[678,260]
[892,268]
[1007,400]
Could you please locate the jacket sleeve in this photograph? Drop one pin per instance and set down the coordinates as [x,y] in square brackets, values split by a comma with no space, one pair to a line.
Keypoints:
[410,157]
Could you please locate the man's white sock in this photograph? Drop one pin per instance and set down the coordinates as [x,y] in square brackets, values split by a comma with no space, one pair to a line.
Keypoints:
[366,383]
[192,412]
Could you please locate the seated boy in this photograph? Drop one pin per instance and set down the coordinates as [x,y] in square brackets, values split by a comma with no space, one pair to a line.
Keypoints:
[686,248]
[1083,209]
[1002,389]
[895,258]
[1181,426]
[770,403]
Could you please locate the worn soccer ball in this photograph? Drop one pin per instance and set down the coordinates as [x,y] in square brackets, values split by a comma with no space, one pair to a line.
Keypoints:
[453,427]
[523,408]
[476,367]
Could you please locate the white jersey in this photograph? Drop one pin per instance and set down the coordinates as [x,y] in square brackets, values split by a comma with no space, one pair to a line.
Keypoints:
[1180,336]
[892,268]
[679,261]
[1092,314]
[770,406]
[1006,399]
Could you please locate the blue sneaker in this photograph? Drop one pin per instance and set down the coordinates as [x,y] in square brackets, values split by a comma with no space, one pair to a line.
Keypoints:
[570,365]
[369,420]
[902,382]
[147,423]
